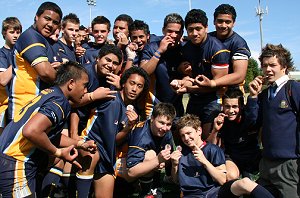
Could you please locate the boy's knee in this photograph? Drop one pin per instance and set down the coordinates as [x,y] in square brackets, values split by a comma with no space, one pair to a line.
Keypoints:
[149,155]
[232,175]
[244,182]
[232,170]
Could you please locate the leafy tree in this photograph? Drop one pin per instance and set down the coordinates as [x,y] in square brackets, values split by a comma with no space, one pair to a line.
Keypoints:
[252,71]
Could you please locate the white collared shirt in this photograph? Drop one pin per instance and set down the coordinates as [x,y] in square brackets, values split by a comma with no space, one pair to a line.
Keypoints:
[280,82]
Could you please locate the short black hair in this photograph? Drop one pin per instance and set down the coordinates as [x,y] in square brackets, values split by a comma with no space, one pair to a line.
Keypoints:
[67,71]
[101,20]
[225,9]
[110,49]
[196,16]
[49,6]
[164,109]
[136,70]
[234,92]
[82,27]
[139,25]
[124,17]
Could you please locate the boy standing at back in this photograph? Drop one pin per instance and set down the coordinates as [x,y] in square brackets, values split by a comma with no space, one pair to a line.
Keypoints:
[207,56]
[121,31]
[224,21]
[100,31]
[11,30]
[33,56]
[64,46]
[139,35]
[161,58]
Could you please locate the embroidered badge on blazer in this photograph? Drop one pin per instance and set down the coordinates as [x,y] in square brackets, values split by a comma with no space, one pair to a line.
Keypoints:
[283,104]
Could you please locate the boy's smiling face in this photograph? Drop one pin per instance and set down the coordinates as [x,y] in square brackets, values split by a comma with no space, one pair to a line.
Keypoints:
[190,136]
[231,108]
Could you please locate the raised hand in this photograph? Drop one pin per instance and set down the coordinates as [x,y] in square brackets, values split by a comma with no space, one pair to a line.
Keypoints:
[79,51]
[123,40]
[175,156]
[114,80]
[103,93]
[164,155]
[132,117]
[130,50]
[164,43]
[255,86]
[219,121]
[198,154]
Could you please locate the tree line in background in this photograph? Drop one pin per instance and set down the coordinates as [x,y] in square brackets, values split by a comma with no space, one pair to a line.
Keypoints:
[252,71]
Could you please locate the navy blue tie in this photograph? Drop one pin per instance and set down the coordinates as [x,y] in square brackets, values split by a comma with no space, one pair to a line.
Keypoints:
[272,90]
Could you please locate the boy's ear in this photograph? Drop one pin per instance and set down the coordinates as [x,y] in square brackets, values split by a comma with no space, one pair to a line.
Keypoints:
[71,84]
[199,130]
[151,119]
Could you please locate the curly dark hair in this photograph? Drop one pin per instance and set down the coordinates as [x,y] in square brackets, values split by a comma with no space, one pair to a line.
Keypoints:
[282,54]
[139,71]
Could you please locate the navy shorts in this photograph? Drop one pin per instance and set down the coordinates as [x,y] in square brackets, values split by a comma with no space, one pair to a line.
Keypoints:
[17,178]
[105,165]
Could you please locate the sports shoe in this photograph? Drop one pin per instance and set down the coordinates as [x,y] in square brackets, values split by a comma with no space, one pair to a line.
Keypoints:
[154,193]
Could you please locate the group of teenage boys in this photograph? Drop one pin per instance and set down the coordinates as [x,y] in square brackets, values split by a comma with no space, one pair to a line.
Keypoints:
[77,111]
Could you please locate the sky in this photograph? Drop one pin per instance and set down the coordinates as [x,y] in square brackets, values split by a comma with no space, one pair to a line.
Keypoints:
[280,25]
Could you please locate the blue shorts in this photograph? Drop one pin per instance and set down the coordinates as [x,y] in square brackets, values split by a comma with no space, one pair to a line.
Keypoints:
[105,165]
[206,109]
[17,178]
